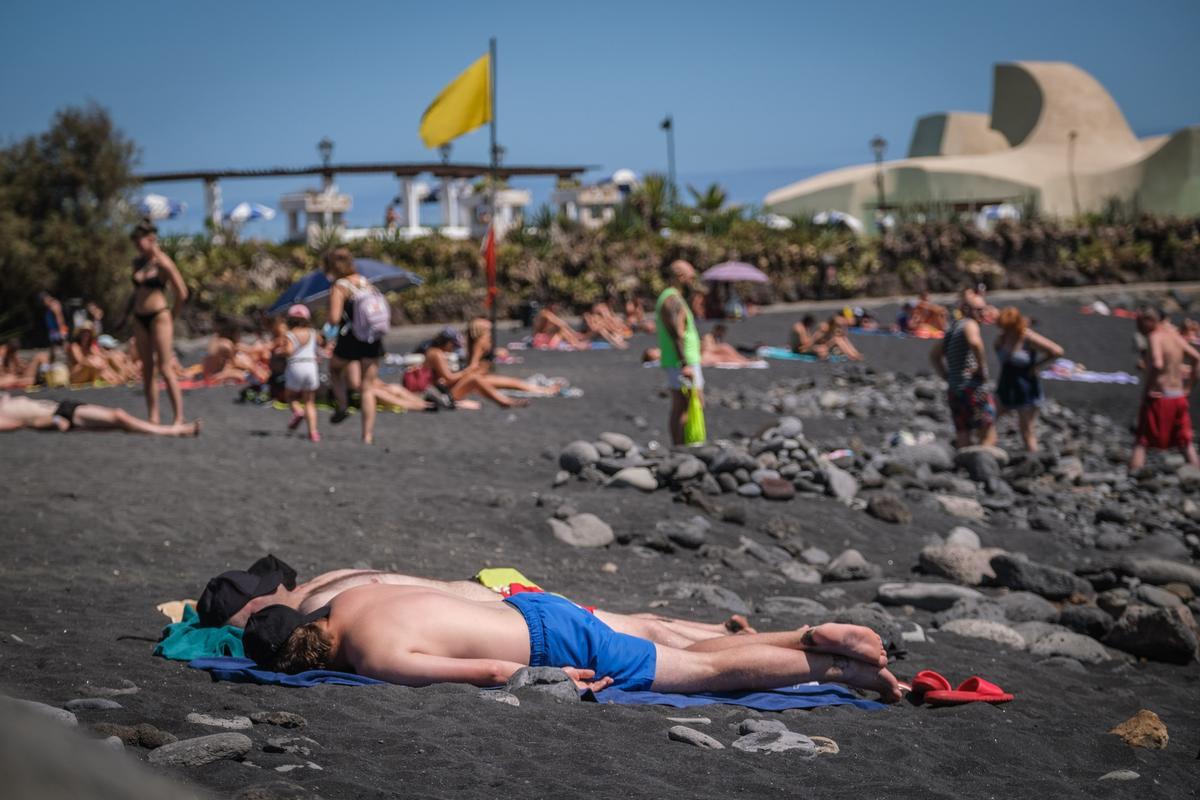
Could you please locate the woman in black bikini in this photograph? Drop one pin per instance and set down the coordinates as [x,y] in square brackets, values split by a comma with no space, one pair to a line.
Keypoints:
[154,326]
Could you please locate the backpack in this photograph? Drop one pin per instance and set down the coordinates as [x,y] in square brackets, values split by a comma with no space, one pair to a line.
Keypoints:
[372,315]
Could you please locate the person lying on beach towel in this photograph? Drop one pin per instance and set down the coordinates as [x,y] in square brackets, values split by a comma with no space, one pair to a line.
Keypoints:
[233,596]
[416,637]
[551,332]
[70,415]
[601,321]
[16,372]
[715,351]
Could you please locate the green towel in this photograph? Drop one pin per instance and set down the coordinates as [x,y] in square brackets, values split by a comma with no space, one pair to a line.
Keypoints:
[186,640]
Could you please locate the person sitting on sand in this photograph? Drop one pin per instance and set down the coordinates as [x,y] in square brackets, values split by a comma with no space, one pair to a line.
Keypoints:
[551,332]
[85,359]
[806,338]
[417,636]
[1164,417]
[16,372]
[225,361]
[479,345]
[635,316]
[927,316]
[70,415]
[474,381]
[714,351]
[233,596]
[832,339]
[601,321]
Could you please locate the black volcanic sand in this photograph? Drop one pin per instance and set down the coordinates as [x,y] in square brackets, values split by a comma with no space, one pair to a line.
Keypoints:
[100,528]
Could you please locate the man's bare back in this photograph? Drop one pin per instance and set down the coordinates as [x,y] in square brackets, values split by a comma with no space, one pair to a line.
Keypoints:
[1170,361]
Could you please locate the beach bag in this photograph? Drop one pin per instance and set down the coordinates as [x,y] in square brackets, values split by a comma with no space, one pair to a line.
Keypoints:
[694,431]
[418,379]
[372,314]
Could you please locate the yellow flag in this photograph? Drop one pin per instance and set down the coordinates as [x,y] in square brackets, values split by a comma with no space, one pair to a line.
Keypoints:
[464,105]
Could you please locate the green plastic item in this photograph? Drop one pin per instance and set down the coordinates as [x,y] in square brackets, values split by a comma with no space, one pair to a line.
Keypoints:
[694,431]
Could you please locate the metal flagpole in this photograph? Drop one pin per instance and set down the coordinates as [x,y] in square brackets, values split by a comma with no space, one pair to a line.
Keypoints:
[493,180]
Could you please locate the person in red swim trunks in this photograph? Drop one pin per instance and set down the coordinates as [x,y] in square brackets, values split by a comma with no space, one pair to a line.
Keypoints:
[1164,419]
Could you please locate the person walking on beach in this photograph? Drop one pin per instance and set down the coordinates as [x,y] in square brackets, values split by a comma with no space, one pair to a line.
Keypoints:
[1164,419]
[1022,352]
[960,358]
[301,379]
[154,318]
[679,346]
[56,324]
[357,317]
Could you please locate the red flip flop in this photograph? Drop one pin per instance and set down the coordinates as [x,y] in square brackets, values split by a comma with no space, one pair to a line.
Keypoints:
[972,690]
[929,681]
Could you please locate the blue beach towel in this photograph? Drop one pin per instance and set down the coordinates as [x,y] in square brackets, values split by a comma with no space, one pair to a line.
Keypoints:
[784,354]
[805,695]
[243,670]
[186,640]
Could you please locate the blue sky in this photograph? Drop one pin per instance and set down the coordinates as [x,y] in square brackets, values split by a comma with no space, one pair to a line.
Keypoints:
[762,92]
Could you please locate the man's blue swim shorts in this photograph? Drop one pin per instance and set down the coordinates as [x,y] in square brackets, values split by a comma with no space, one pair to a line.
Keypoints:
[561,634]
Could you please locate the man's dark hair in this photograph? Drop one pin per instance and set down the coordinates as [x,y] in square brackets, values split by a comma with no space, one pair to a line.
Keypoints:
[143,228]
[307,648]
[809,320]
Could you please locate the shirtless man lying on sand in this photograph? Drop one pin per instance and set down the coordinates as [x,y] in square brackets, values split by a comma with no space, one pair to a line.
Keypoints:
[415,636]
[231,597]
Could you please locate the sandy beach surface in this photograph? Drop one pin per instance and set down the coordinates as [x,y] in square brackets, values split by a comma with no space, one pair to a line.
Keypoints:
[98,529]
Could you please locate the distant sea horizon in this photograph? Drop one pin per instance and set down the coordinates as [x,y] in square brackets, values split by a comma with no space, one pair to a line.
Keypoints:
[372,194]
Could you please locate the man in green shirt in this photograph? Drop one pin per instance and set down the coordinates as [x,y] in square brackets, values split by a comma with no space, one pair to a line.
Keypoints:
[679,343]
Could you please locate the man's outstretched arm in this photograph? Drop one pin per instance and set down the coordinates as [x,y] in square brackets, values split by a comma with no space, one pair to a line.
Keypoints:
[419,669]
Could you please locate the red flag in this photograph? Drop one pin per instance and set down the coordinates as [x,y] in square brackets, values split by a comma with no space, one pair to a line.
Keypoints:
[489,258]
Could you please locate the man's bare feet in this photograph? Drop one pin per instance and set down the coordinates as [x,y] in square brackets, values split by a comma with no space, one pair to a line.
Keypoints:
[862,676]
[738,624]
[853,641]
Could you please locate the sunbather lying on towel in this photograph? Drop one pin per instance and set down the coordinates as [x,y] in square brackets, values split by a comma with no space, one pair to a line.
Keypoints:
[416,637]
[231,597]
[71,415]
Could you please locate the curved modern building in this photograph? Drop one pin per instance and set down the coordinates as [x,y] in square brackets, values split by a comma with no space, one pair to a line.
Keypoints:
[1054,137]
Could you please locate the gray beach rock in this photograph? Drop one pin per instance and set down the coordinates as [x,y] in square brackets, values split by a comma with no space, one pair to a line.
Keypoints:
[1088,620]
[1147,593]
[687,468]
[1049,582]
[57,714]
[577,455]
[963,537]
[961,507]
[801,607]
[92,704]
[545,680]
[617,441]
[750,490]
[851,565]
[202,750]
[1033,632]
[839,483]
[777,489]
[282,719]
[992,631]
[582,530]
[1162,634]
[682,733]
[798,572]
[758,725]
[1119,775]
[500,696]
[1160,571]
[982,608]
[1070,645]
[889,508]
[637,477]
[776,742]
[929,596]
[717,596]
[934,455]
[965,565]
[690,533]
[236,723]
[1027,606]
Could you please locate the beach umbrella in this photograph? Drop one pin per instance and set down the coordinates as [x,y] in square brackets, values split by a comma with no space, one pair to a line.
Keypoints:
[833,217]
[315,286]
[157,206]
[248,212]
[733,272]
[988,215]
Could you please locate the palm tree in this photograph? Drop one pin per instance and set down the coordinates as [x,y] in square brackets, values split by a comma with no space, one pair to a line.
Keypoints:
[651,200]
[711,200]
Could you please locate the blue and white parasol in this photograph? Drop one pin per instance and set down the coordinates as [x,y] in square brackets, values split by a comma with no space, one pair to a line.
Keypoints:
[157,206]
[249,212]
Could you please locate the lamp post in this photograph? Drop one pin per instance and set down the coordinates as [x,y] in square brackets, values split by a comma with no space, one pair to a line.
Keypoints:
[878,146]
[1071,137]
[325,148]
[444,152]
[668,125]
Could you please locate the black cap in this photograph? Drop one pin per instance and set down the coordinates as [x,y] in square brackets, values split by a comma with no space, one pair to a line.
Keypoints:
[267,630]
[225,594]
